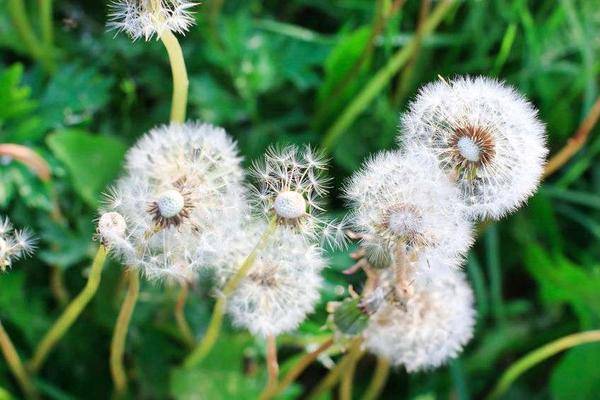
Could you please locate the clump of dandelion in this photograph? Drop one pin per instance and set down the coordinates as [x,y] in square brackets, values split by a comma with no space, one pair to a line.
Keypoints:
[420,324]
[402,203]
[180,182]
[146,18]
[291,184]
[14,244]
[485,135]
[282,286]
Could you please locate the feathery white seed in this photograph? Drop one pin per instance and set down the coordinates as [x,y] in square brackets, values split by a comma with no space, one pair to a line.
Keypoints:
[14,244]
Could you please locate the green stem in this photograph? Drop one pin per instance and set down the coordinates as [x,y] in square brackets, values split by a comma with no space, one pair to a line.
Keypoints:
[539,355]
[492,247]
[16,366]
[182,324]
[348,378]
[45,12]
[380,377]
[18,14]
[117,345]
[71,313]
[214,326]
[179,73]
[334,375]
[382,78]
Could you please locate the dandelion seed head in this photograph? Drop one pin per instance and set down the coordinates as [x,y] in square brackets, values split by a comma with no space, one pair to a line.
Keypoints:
[147,18]
[403,201]
[485,136]
[423,327]
[14,244]
[289,205]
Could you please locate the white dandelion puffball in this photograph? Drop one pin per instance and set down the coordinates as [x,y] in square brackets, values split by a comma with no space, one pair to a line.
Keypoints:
[290,186]
[486,136]
[146,18]
[14,244]
[424,327]
[181,181]
[282,286]
[404,202]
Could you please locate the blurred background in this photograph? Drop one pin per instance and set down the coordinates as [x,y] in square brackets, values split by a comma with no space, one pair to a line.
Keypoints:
[333,73]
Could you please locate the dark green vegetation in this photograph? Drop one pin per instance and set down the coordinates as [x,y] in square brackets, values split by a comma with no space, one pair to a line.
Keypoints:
[287,72]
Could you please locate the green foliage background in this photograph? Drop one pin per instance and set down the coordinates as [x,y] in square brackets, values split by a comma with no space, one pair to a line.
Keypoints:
[270,72]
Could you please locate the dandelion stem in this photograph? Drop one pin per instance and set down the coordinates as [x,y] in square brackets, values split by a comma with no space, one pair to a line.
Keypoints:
[71,313]
[214,326]
[576,142]
[182,324]
[117,345]
[334,375]
[180,78]
[348,377]
[272,364]
[45,12]
[539,355]
[296,371]
[16,366]
[380,376]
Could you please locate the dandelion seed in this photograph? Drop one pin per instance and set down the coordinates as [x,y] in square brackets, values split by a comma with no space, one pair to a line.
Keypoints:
[485,135]
[419,324]
[146,18]
[14,244]
[404,202]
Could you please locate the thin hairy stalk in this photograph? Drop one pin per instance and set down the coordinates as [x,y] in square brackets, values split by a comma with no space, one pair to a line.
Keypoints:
[535,357]
[379,379]
[16,366]
[117,345]
[18,15]
[334,375]
[407,74]
[347,378]
[382,78]
[71,313]
[180,77]
[45,12]
[379,23]
[57,286]
[214,326]
[296,371]
[576,142]
[272,364]
[182,324]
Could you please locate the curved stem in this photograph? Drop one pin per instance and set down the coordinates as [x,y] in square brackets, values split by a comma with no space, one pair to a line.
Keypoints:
[73,310]
[180,78]
[16,366]
[117,345]
[576,142]
[334,375]
[348,378]
[214,326]
[296,371]
[272,364]
[539,355]
[182,324]
[380,376]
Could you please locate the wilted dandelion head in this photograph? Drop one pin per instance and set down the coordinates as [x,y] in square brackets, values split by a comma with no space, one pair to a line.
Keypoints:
[289,186]
[421,324]
[180,182]
[282,286]
[403,201]
[14,244]
[485,135]
[146,18]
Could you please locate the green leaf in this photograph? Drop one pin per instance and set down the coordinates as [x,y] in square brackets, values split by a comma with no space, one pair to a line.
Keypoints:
[92,161]
[577,376]
[14,101]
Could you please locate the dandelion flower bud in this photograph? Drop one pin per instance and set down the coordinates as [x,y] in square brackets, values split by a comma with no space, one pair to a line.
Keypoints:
[422,328]
[181,181]
[146,18]
[290,185]
[14,244]
[485,135]
[404,202]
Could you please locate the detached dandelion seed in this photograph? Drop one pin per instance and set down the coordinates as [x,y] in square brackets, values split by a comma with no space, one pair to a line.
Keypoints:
[485,135]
